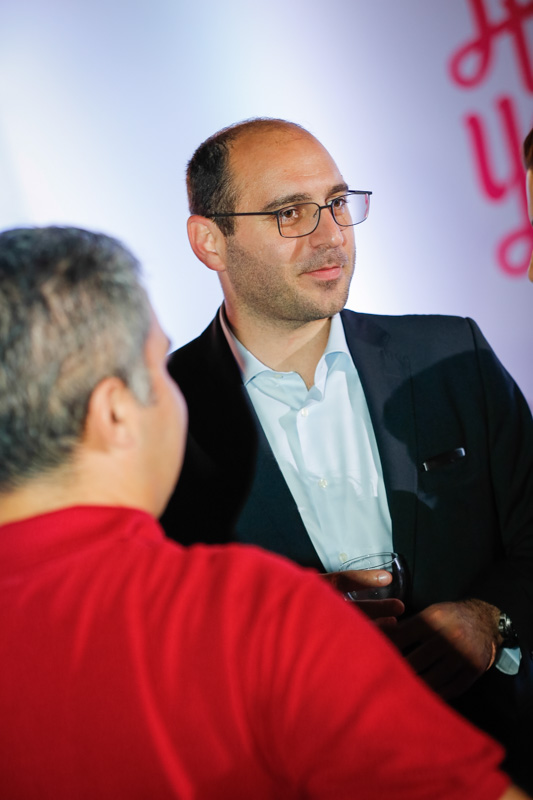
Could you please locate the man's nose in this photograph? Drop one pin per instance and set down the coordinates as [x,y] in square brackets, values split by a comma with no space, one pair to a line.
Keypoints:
[327,231]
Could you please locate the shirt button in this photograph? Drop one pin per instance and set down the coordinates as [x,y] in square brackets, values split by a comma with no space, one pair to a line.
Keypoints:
[304,412]
[343,557]
[322,483]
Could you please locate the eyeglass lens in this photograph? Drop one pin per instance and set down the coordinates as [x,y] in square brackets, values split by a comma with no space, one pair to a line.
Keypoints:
[302,218]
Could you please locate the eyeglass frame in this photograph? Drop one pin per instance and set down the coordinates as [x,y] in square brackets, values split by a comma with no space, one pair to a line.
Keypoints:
[303,203]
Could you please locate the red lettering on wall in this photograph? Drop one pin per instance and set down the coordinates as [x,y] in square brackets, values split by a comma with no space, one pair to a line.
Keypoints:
[469,67]
[514,251]
[470,64]
[494,188]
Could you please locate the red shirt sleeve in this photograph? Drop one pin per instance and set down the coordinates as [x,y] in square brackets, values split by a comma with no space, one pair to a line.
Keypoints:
[343,715]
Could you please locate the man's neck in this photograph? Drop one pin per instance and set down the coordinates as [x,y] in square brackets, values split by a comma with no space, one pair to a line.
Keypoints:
[285,347]
[86,481]
[35,498]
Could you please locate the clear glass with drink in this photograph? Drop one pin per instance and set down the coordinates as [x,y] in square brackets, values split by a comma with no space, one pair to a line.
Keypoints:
[391,562]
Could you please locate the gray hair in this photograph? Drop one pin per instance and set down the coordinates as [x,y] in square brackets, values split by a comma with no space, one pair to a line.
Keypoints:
[72,312]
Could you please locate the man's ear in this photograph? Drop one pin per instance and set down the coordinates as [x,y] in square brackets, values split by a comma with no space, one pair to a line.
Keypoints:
[207,241]
[111,416]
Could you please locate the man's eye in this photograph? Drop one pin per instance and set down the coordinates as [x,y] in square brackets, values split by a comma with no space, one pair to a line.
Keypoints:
[289,214]
[339,203]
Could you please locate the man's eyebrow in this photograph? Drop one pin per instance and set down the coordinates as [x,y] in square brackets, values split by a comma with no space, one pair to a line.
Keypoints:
[286,200]
[299,197]
[340,187]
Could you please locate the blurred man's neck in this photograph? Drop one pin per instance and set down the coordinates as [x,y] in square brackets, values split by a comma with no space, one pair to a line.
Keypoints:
[88,481]
[38,496]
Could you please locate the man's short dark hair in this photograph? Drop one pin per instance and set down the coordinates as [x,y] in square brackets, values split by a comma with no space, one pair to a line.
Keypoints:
[72,312]
[210,184]
[528,150]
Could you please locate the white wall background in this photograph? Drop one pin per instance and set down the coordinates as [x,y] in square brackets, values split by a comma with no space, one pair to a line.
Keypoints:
[102,102]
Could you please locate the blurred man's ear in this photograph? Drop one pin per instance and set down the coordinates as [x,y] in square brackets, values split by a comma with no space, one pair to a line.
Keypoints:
[207,242]
[111,416]
[529,194]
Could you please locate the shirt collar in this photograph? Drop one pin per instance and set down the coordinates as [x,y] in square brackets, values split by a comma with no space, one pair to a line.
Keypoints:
[337,338]
[250,366]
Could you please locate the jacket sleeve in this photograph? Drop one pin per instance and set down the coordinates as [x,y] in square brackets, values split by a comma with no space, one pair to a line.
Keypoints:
[508,583]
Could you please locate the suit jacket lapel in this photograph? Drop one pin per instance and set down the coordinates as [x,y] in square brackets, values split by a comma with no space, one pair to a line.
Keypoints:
[269,517]
[383,372]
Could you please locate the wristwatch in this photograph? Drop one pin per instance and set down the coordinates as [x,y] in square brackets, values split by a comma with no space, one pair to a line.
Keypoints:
[507,631]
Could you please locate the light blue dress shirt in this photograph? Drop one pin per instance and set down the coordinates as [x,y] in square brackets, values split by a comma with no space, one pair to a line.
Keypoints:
[324,443]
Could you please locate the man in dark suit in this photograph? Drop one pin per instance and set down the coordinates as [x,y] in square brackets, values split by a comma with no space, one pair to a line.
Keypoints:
[322,434]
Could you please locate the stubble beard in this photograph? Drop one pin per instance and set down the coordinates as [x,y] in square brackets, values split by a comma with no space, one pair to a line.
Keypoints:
[258,288]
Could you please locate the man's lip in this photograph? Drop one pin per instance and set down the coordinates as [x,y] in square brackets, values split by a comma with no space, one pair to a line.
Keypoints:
[328,271]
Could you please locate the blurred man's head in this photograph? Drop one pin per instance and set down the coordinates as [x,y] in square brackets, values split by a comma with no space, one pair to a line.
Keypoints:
[80,350]
[528,163]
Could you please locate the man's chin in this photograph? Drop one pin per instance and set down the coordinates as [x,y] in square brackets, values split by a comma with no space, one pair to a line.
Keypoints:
[325,309]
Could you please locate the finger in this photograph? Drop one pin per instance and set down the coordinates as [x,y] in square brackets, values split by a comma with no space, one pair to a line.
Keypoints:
[441,677]
[428,655]
[351,580]
[419,627]
[369,577]
[455,687]
[438,667]
[442,667]
[411,632]
[386,623]
[449,678]
[375,609]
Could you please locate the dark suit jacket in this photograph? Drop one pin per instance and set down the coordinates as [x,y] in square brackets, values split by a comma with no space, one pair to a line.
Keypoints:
[433,386]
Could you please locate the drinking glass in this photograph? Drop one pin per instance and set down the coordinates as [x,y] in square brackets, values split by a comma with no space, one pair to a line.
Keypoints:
[391,562]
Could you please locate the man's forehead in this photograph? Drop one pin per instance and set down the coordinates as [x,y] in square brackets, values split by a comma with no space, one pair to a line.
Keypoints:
[274,132]
[279,160]
[254,147]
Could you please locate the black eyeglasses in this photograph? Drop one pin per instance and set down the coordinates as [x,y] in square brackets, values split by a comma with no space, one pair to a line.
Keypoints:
[301,219]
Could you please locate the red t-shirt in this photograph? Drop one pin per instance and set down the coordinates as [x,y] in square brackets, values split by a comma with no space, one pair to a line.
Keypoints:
[133,668]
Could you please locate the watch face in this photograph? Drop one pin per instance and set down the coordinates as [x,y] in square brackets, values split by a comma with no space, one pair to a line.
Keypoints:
[508,633]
